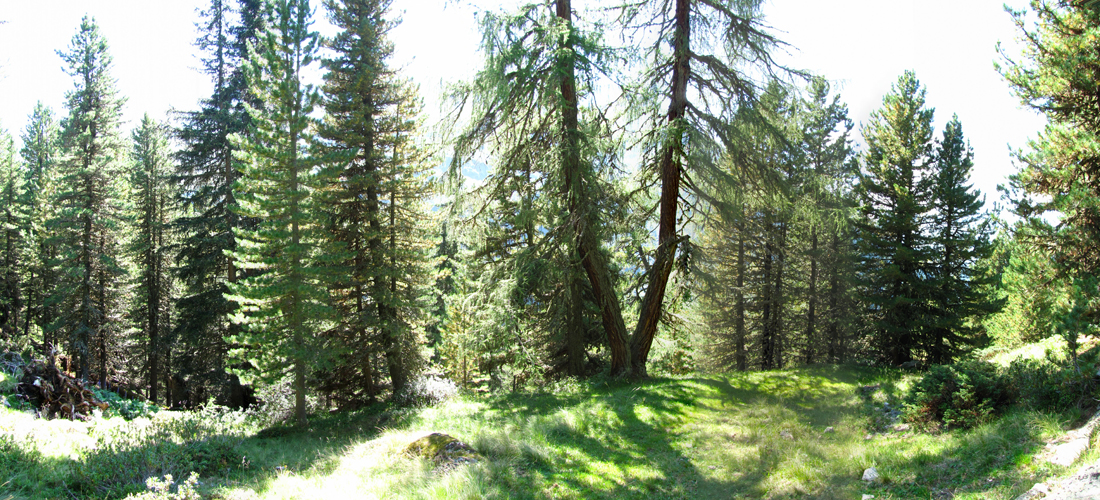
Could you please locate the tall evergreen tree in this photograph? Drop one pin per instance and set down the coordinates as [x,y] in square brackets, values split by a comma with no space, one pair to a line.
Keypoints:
[362,95]
[11,240]
[40,156]
[896,195]
[285,305]
[532,105]
[827,152]
[152,201]
[89,211]
[1060,172]
[206,172]
[697,94]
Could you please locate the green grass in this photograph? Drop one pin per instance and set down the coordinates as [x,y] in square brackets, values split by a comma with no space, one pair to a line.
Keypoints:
[753,435]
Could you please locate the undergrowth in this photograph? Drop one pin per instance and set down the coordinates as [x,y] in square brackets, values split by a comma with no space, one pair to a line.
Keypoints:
[803,433]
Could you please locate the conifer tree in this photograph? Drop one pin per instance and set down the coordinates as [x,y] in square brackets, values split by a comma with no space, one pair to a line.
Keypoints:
[896,194]
[960,241]
[40,155]
[152,199]
[362,95]
[11,240]
[698,93]
[532,106]
[284,306]
[206,172]
[827,152]
[89,213]
[1060,171]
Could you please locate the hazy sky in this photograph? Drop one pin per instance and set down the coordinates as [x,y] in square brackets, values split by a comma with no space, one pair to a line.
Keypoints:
[861,45]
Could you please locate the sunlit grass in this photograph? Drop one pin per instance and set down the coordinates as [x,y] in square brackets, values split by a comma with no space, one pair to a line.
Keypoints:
[753,435]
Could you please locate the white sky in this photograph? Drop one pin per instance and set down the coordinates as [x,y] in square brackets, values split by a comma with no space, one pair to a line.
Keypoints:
[862,45]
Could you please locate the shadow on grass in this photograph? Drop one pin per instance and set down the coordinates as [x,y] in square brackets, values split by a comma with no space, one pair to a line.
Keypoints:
[699,437]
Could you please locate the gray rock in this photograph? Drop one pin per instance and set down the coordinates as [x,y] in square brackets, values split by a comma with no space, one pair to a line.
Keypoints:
[829,429]
[868,497]
[785,434]
[871,475]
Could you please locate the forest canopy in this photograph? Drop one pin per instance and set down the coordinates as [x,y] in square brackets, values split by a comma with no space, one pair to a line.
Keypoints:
[677,203]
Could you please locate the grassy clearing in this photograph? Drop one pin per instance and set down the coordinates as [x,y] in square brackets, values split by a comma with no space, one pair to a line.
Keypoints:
[753,435]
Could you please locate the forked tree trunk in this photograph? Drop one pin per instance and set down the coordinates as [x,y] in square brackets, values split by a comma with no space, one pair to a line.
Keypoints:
[670,171]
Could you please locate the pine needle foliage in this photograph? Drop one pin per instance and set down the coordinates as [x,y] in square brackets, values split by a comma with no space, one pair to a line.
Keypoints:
[381,182]
[152,211]
[546,202]
[87,225]
[283,306]
[206,172]
[1060,170]
[40,154]
[12,218]
[696,77]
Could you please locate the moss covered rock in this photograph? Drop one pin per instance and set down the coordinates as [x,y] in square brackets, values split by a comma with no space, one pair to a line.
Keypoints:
[443,450]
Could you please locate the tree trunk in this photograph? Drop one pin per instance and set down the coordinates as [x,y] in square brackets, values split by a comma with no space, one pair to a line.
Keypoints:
[588,254]
[835,352]
[741,356]
[811,312]
[670,168]
[767,340]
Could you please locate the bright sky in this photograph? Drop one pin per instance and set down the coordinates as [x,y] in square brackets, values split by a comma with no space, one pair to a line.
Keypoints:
[862,45]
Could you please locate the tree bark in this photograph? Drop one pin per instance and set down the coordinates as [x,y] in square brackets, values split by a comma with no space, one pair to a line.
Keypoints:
[670,169]
[811,312]
[741,356]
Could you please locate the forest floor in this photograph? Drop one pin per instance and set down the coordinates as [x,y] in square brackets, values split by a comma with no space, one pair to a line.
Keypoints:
[801,433]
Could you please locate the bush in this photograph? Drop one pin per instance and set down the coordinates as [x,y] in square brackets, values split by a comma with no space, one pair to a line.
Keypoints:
[427,391]
[128,409]
[959,395]
[1042,384]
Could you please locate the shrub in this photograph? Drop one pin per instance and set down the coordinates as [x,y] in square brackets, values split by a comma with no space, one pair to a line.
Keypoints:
[959,395]
[128,409]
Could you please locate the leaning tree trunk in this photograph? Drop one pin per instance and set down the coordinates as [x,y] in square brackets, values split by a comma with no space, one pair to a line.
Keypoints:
[670,171]
[587,247]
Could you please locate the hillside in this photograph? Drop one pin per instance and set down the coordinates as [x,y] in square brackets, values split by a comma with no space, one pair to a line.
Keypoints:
[753,435]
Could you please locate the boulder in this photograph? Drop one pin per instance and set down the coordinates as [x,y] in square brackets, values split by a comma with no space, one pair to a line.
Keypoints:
[443,450]
[871,475]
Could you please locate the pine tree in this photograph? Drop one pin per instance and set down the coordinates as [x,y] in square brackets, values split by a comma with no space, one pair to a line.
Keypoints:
[827,153]
[88,220]
[40,155]
[896,195]
[207,172]
[284,306]
[152,201]
[1060,172]
[362,122]
[11,240]
[960,241]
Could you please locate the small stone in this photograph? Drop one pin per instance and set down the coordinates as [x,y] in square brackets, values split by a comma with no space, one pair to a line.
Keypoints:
[785,434]
[871,475]
[829,429]
[901,427]
[868,437]
[868,497]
